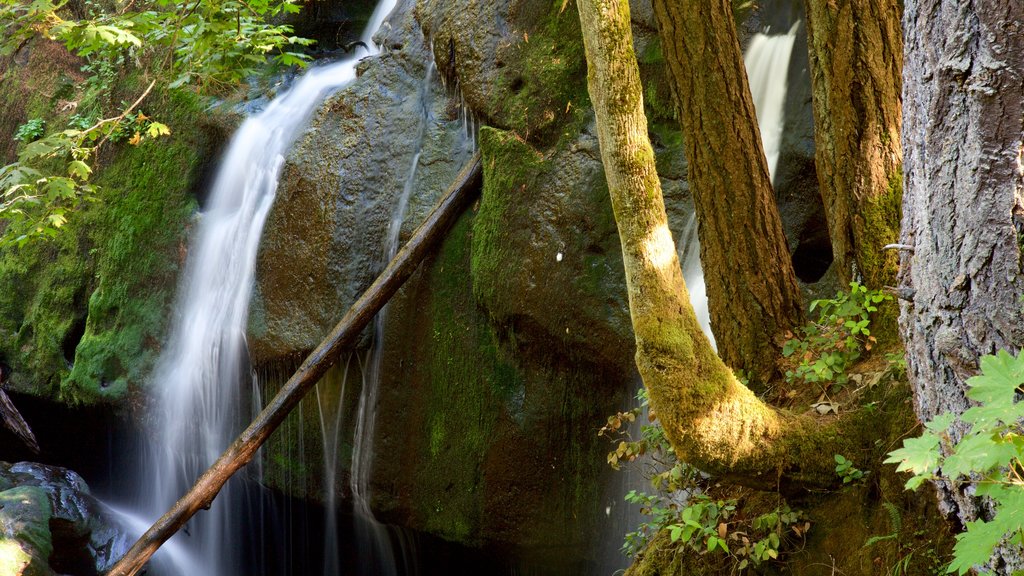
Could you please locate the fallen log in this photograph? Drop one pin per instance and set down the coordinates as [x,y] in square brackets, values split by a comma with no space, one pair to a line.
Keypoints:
[13,419]
[344,335]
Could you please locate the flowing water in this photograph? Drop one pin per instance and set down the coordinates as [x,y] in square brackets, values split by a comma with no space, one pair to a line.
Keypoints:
[204,367]
[767,61]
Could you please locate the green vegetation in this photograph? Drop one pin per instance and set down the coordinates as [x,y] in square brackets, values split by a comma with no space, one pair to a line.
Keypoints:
[828,347]
[989,457]
[211,45]
[683,506]
[847,471]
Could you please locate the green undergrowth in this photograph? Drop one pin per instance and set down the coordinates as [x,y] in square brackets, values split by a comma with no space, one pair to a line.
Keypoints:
[83,313]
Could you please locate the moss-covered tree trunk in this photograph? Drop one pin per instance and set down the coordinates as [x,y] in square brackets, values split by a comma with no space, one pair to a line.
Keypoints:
[963,204]
[753,293]
[856,58]
[712,420]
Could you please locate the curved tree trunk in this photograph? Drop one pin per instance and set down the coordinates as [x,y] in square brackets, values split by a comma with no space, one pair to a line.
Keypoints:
[754,297]
[856,58]
[963,201]
[711,419]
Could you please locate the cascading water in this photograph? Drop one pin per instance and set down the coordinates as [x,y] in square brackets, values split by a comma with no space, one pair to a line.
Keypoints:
[378,554]
[767,61]
[202,371]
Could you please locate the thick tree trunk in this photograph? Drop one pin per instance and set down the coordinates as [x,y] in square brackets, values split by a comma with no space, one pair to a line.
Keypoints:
[856,58]
[753,293]
[963,201]
[712,420]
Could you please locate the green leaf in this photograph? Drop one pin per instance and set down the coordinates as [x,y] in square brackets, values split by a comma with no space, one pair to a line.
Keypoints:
[157,129]
[978,453]
[79,169]
[1000,376]
[918,455]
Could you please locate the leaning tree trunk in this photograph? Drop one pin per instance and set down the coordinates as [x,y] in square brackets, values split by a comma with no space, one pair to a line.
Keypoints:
[753,294]
[856,58]
[711,419]
[961,274]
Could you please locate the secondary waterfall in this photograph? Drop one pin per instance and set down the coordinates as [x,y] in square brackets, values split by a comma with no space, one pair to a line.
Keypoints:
[203,370]
[767,61]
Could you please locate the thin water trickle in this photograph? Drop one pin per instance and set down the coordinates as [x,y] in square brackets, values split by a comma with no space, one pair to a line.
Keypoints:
[200,376]
[379,556]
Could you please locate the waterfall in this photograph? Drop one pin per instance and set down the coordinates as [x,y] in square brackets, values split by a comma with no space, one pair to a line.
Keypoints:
[378,555]
[204,366]
[767,61]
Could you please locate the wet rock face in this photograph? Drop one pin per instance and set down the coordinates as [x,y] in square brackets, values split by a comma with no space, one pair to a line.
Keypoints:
[50,524]
[324,238]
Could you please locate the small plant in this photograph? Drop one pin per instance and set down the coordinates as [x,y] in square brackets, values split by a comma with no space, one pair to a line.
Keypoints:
[989,456]
[682,505]
[828,347]
[31,130]
[79,122]
[847,471]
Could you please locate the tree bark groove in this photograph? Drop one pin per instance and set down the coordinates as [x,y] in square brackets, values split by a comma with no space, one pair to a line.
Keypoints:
[963,205]
[754,296]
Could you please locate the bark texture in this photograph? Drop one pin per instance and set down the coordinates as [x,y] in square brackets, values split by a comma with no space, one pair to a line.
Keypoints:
[856,59]
[711,419]
[963,204]
[754,297]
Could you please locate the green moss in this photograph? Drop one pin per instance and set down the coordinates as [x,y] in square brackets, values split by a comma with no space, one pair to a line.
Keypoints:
[511,167]
[82,315]
[879,225]
[137,239]
[26,513]
[541,92]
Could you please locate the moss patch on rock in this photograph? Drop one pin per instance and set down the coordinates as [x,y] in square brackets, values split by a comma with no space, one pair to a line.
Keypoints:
[82,315]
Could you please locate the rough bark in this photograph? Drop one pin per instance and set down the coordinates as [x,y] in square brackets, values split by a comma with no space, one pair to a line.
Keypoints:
[12,418]
[963,203]
[711,419]
[344,335]
[856,58]
[753,293]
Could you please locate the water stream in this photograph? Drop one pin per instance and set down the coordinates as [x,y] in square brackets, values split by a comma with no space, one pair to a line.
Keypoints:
[204,367]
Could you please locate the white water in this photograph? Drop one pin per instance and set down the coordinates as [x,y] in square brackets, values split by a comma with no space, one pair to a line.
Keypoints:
[767,61]
[202,371]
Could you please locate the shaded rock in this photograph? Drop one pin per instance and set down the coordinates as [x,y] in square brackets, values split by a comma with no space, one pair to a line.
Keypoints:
[50,523]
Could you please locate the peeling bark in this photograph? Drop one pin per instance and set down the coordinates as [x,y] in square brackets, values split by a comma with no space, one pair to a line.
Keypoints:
[963,205]
[754,296]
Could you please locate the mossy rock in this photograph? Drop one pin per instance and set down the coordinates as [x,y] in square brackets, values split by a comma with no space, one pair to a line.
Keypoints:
[82,315]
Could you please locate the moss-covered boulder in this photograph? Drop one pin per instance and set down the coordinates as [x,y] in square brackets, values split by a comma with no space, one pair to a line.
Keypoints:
[82,315]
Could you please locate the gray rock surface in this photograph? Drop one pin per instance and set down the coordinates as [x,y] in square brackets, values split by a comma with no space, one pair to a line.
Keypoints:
[51,524]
